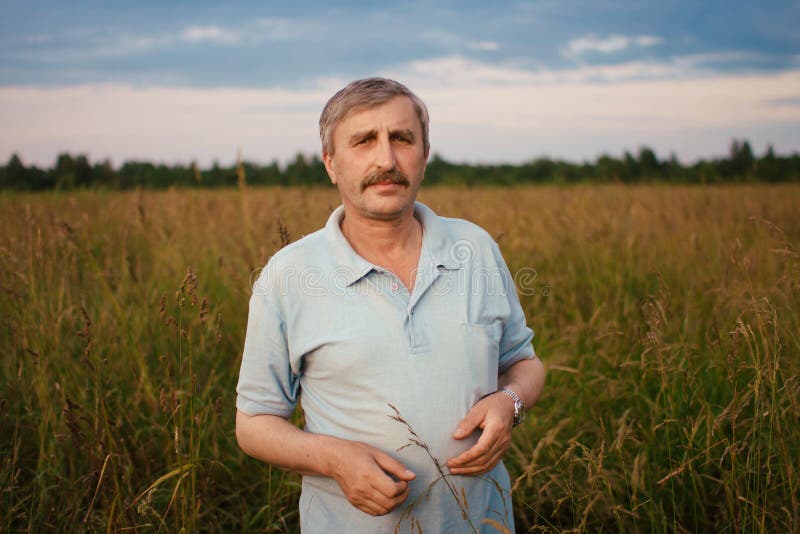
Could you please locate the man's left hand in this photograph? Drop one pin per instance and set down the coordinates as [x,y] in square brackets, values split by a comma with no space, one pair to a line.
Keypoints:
[494,415]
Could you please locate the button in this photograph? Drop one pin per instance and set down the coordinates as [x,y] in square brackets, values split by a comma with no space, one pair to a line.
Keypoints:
[394,286]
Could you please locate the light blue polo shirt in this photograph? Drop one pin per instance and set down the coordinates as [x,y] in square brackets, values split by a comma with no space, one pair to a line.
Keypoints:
[347,339]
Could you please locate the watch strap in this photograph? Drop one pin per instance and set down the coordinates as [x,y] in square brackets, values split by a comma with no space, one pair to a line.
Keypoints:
[519,405]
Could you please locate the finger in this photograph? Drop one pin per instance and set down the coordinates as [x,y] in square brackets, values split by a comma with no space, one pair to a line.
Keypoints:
[482,447]
[393,467]
[385,504]
[372,508]
[471,421]
[387,486]
[399,498]
[481,466]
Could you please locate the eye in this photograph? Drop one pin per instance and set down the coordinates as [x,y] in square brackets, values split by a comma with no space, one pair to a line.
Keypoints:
[363,140]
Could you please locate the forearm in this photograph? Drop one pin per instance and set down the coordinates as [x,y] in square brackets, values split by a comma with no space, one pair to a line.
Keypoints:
[372,481]
[274,440]
[526,379]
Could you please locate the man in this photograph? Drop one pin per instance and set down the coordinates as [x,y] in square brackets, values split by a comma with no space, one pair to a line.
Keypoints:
[402,334]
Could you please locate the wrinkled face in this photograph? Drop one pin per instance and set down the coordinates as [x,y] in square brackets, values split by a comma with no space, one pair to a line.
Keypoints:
[379,160]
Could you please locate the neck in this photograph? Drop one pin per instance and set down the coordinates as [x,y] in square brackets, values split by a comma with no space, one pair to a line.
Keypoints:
[382,238]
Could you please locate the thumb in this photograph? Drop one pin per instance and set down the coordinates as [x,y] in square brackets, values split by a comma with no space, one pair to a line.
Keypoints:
[393,467]
[468,425]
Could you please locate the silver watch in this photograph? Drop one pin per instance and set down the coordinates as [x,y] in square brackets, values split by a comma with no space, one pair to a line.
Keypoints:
[519,406]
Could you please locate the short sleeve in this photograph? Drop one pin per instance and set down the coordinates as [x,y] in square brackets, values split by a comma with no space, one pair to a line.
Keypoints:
[515,341]
[267,383]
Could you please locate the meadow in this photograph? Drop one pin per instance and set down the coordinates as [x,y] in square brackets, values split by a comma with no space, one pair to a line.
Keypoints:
[668,318]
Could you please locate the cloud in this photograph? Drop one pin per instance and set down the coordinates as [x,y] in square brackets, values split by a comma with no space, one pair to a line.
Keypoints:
[479,111]
[483,45]
[608,45]
[459,70]
[212,34]
[96,44]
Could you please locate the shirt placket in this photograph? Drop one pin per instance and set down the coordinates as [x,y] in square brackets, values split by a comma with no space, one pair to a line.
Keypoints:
[389,286]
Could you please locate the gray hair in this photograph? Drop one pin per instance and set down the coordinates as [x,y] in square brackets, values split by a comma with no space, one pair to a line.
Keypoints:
[366,93]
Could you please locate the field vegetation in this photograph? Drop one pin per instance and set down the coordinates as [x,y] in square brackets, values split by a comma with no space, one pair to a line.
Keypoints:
[668,318]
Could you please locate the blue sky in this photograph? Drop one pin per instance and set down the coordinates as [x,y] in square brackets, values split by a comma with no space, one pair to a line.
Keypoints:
[505,81]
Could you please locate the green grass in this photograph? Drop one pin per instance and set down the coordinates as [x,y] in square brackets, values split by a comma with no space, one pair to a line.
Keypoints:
[668,318]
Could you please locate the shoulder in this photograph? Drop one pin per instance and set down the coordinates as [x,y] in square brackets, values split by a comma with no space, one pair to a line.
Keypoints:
[464,229]
[468,241]
[289,262]
[309,248]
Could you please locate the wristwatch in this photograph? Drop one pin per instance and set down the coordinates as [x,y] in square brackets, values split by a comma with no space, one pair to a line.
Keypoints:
[519,406]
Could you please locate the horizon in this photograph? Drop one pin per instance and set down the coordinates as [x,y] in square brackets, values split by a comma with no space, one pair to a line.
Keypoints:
[309,157]
[508,84]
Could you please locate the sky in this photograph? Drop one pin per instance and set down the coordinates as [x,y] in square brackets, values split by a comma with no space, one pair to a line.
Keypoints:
[181,81]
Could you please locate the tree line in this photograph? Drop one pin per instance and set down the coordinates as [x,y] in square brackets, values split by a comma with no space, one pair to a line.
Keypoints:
[740,165]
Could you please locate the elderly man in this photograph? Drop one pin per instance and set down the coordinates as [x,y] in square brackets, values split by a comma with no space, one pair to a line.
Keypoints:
[401,333]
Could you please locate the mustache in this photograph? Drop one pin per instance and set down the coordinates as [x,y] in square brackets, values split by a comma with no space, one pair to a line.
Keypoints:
[375,177]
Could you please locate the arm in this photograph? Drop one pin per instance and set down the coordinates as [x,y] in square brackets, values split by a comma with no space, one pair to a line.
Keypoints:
[494,415]
[365,474]
[526,379]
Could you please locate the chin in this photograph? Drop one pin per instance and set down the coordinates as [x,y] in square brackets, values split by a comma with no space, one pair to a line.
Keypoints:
[387,210]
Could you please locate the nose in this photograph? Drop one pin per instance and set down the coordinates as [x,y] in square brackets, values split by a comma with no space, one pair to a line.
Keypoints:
[384,154]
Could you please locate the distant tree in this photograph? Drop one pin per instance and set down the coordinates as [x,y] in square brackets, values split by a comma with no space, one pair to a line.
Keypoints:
[673,170]
[649,167]
[632,170]
[612,169]
[317,173]
[214,177]
[772,169]
[297,171]
[64,172]
[14,175]
[741,159]
[82,171]
[103,174]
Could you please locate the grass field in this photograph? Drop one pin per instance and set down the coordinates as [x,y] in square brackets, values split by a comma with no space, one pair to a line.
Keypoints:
[668,317]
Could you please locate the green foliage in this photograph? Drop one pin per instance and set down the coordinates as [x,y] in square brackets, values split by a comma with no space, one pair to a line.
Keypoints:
[741,165]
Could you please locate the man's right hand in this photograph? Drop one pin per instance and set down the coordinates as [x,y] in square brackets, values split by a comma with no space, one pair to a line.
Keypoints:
[372,481]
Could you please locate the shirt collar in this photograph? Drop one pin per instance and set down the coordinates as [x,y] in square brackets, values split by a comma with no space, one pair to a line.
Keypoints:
[437,244]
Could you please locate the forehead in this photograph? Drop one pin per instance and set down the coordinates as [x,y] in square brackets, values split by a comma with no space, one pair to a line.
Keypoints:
[396,113]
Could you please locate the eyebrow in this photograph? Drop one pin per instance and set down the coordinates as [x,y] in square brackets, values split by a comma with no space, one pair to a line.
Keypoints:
[408,134]
[371,134]
[360,136]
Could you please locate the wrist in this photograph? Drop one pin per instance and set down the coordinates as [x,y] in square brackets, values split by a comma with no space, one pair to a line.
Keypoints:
[519,405]
[330,455]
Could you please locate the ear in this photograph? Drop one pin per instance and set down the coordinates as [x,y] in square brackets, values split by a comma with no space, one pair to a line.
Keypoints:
[327,159]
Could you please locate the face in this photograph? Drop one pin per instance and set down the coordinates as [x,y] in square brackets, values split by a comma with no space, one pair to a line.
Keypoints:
[379,160]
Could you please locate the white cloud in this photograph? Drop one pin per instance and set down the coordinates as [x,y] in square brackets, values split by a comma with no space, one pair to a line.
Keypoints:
[483,45]
[647,40]
[480,112]
[213,34]
[608,45]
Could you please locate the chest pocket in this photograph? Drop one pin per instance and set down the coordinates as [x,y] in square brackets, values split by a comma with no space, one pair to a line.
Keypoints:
[482,347]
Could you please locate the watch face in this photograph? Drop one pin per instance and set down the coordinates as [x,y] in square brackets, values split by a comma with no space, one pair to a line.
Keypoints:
[519,413]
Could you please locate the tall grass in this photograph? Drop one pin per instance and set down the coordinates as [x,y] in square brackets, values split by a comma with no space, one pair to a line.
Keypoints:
[668,318]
